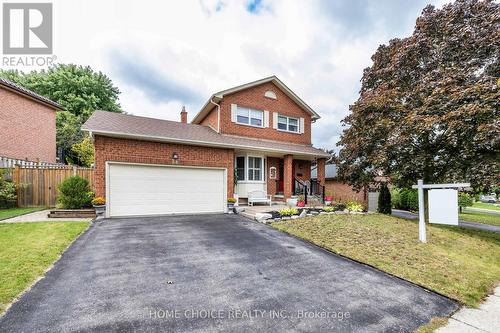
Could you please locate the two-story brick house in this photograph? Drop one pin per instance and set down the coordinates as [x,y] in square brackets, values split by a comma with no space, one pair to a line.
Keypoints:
[27,124]
[256,136]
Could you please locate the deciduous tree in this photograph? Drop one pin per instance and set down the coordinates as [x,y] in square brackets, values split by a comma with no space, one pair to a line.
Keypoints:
[429,106]
[78,89]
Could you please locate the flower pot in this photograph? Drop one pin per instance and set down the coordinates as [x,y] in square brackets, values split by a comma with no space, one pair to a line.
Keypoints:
[328,203]
[230,207]
[301,204]
[292,202]
[100,209]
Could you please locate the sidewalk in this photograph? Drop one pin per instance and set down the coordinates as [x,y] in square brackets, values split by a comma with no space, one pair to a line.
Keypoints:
[484,319]
[40,216]
[471,225]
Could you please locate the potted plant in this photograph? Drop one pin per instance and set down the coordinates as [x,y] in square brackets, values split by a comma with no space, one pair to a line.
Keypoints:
[230,205]
[301,201]
[99,204]
[292,202]
[328,200]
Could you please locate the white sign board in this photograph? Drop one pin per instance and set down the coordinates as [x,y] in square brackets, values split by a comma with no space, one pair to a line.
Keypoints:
[443,206]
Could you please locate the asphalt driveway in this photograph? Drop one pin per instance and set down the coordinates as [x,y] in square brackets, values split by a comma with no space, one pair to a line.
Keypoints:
[214,273]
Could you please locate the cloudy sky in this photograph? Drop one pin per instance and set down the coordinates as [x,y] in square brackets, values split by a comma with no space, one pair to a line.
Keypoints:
[165,54]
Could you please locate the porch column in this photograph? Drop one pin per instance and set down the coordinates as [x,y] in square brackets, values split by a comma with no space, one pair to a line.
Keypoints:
[287,175]
[321,170]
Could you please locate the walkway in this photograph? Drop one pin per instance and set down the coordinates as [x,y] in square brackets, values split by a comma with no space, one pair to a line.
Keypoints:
[40,216]
[484,319]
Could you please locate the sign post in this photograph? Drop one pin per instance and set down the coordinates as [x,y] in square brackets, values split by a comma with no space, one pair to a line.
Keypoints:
[422,236]
[421,206]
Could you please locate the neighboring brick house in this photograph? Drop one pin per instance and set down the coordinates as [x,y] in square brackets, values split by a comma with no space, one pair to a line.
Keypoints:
[340,191]
[254,137]
[27,124]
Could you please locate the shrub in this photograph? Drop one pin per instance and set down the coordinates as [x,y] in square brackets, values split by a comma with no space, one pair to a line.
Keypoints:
[339,206]
[384,200]
[98,201]
[464,200]
[329,209]
[405,199]
[354,207]
[289,211]
[8,194]
[74,193]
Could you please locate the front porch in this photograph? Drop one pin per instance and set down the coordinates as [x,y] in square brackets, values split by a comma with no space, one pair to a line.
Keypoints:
[280,176]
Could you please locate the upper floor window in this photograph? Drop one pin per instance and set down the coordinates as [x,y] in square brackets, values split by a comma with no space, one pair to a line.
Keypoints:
[270,94]
[288,124]
[250,117]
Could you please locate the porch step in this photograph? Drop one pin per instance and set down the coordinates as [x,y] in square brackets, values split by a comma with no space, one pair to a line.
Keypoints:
[72,213]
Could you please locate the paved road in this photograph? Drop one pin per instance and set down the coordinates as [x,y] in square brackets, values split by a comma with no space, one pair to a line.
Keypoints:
[242,275]
[471,225]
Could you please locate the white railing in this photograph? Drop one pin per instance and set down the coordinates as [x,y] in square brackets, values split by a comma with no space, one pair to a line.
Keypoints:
[7,162]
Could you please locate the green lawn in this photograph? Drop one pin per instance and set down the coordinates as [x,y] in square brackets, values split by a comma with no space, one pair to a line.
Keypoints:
[463,264]
[27,250]
[13,212]
[483,205]
[480,218]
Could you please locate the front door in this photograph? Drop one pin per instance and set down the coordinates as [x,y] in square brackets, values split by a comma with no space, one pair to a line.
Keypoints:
[281,185]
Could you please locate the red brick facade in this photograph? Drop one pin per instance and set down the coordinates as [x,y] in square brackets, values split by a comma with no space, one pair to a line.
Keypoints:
[254,98]
[28,128]
[135,151]
[343,193]
[211,120]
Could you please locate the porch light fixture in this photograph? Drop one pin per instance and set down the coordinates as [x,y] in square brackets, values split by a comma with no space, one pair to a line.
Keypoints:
[175,157]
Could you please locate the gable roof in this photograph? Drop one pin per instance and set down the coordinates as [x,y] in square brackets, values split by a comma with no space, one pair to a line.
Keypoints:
[9,85]
[217,97]
[150,129]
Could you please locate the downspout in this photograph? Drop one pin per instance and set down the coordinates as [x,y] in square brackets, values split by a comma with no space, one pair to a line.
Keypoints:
[218,114]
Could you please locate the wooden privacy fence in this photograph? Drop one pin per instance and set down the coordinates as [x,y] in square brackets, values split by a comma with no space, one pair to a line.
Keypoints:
[37,186]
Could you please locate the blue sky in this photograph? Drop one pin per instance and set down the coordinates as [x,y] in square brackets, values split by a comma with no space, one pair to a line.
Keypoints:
[165,54]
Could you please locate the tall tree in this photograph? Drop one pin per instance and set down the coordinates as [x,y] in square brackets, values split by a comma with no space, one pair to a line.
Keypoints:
[80,91]
[429,106]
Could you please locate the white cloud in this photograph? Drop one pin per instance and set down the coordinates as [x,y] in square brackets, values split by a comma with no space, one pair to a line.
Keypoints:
[163,54]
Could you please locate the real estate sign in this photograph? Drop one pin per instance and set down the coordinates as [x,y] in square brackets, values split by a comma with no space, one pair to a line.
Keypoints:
[443,206]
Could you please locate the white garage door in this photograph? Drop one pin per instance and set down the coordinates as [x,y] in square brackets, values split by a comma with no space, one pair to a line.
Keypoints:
[156,190]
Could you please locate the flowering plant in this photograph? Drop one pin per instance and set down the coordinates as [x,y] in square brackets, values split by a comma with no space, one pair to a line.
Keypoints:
[98,201]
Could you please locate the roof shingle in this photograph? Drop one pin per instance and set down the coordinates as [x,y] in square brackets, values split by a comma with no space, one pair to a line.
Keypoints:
[11,85]
[122,125]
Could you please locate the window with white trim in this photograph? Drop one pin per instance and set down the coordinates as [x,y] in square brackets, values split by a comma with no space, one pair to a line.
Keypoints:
[250,117]
[255,168]
[240,167]
[289,124]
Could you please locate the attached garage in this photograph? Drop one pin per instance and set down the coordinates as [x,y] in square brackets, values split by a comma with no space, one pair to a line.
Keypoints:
[139,189]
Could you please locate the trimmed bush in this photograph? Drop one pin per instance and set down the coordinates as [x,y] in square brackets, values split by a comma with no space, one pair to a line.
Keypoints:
[8,193]
[384,200]
[74,193]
